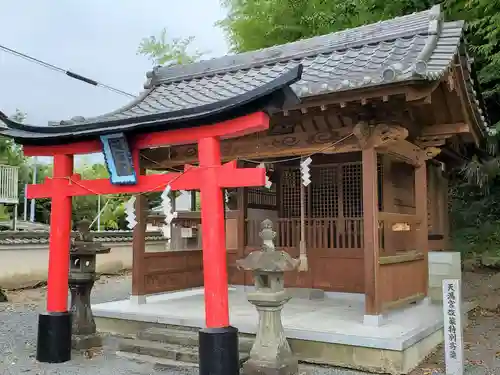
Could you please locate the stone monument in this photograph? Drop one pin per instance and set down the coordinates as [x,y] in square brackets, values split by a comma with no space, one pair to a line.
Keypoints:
[82,276]
[271,353]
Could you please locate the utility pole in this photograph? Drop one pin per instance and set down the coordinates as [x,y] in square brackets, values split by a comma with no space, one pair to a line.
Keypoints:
[32,210]
[98,213]
[25,213]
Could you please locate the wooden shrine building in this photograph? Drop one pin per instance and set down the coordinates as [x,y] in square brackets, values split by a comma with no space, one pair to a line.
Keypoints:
[384,111]
[387,110]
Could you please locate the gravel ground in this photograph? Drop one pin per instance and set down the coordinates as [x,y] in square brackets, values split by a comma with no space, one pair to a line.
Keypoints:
[482,336]
[18,326]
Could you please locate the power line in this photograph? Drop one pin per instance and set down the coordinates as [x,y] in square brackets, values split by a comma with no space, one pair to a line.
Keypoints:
[66,72]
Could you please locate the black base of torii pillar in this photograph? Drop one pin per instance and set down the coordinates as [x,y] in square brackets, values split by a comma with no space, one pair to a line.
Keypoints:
[219,351]
[54,337]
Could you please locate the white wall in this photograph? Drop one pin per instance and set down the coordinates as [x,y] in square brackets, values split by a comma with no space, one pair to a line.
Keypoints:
[26,266]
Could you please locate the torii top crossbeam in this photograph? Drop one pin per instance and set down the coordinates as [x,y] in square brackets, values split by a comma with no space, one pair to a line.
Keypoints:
[148,122]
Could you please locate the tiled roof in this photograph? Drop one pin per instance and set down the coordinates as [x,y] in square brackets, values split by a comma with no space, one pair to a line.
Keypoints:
[416,46]
[419,46]
[161,108]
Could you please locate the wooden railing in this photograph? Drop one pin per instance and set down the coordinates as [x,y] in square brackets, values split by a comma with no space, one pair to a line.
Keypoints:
[8,184]
[321,233]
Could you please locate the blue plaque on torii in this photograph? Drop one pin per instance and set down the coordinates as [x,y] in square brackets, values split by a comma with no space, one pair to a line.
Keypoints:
[118,159]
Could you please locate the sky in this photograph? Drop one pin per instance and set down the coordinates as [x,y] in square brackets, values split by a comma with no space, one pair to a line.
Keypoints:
[94,38]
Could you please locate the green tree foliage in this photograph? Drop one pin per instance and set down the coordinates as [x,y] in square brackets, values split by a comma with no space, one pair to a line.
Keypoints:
[255,24]
[161,51]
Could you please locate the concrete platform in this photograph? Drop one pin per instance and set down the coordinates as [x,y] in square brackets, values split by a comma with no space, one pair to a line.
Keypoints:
[322,331]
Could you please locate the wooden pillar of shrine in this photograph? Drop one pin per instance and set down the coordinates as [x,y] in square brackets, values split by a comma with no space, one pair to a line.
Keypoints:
[371,237]
[138,294]
[242,201]
[445,211]
[422,233]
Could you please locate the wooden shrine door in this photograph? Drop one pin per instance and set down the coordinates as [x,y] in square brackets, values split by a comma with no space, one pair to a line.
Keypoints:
[333,226]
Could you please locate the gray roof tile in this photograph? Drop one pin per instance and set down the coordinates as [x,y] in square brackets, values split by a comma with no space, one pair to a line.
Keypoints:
[416,46]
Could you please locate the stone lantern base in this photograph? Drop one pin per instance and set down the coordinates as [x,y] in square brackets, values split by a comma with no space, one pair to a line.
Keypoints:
[85,342]
[281,367]
[84,331]
[270,354]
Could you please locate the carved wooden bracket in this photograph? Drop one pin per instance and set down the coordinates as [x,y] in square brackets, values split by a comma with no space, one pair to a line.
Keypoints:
[378,135]
[410,153]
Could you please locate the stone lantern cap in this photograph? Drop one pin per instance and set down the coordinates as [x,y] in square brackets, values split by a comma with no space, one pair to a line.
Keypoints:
[83,243]
[268,259]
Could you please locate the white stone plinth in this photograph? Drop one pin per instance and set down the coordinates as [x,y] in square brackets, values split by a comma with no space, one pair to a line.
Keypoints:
[442,265]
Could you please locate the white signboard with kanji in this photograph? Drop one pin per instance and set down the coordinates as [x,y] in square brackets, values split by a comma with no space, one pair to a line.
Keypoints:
[453,330]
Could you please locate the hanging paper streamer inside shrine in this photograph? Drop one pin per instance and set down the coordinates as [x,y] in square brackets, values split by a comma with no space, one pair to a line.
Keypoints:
[170,215]
[268,184]
[305,171]
[130,212]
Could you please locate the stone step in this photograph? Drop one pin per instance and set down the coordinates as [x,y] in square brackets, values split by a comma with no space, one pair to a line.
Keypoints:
[156,361]
[184,338]
[159,350]
[164,351]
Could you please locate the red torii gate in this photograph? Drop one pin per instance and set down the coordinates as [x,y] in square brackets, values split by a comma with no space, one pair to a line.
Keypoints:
[209,177]
[195,113]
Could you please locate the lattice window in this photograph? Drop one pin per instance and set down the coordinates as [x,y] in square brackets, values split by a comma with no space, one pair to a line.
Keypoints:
[352,190]
[324,191]
[290,193]
[329,194]
[262,196]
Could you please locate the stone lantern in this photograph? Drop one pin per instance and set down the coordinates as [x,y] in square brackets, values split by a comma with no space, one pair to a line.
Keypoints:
[270,354]
[82,275]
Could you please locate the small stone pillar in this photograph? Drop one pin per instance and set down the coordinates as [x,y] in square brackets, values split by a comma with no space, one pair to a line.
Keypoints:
[270,354]
[82,276]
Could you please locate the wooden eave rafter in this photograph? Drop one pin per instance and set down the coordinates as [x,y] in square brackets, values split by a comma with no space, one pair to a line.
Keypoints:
[437,135]
[466,102]
[443,130]
[412,91]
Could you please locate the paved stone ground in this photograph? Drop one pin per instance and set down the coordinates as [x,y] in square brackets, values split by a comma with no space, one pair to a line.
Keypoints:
[18,325]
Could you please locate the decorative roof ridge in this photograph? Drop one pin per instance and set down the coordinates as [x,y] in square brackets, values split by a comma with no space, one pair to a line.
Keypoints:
[436,19]
[275,54]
